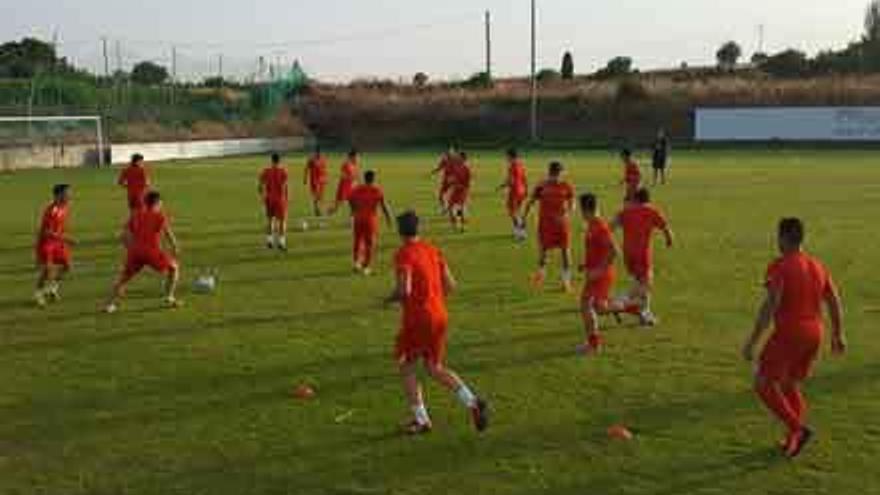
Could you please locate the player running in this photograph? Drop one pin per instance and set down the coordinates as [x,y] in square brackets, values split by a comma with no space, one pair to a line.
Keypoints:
[556,201]
[517,191]
[639,220]
[347,179]
[660,157]
[135,179]
[632,175]
[142,238]
[424,281]
[797,284]
[315,176]
[272,187]
[444,168]
[53,246]
[459,192]
[365,201]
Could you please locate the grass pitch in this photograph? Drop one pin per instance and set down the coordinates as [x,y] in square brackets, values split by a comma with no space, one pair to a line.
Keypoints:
[198,400]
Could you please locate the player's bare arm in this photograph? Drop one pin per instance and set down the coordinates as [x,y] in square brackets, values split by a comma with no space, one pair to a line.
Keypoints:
[386,211]
[402,288]
[171,239]
[835,311]
[449,282]
[762,322]
[670,237]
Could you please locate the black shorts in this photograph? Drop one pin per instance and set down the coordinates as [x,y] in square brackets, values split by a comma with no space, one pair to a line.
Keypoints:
[660,162]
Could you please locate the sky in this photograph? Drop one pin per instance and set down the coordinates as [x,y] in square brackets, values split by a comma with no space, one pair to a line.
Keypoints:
[340,40]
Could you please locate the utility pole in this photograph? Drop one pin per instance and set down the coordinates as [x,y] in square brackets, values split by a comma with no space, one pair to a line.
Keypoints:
[220,66]
[106,58]
[761,38]
[534,95]
[118,56]
[173,72]
[488,45]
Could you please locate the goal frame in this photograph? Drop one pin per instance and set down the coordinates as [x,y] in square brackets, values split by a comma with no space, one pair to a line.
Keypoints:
[99,127]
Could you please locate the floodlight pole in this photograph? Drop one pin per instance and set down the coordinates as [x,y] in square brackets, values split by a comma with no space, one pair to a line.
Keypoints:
[534,90]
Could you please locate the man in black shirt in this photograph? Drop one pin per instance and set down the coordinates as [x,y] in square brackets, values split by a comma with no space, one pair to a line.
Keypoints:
[660,157]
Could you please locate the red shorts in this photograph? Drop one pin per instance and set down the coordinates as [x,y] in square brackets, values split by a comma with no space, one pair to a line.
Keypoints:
[640,267]
[53,252]
[136,200]
[554,235]
[515,201]
[459,196]
[422,336]
[790,358]
[276,208]
[598,292]
[316,187]
[156,259]
[343,190]
[366,228]
[445,186]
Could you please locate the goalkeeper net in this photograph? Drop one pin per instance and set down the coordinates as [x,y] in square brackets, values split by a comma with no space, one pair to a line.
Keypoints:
[51,142]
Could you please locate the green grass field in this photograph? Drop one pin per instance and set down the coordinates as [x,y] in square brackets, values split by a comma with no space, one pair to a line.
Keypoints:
[198,400]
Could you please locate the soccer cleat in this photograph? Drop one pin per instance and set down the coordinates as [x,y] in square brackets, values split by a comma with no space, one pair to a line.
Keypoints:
[415,428]
[40,298]
[798,442]
[357,268]
[111,308]
[282,245]
[54,292]
[480,415]
[567,287]
[367,271]
[173,303]
[647,319]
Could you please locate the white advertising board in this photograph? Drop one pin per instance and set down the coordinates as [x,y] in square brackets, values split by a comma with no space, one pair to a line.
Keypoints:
[204,149]
[788,124]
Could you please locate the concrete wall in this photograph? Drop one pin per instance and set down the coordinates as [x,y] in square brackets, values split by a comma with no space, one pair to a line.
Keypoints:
[46,156]
[153,152]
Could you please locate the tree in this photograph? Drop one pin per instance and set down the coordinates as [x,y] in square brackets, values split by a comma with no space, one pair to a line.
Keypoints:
[567,66]
[26,58]
[759,58]
[149,73]
[728,55]
[616,67]
[547,75]
[872,22]
[789,63]
[420,79]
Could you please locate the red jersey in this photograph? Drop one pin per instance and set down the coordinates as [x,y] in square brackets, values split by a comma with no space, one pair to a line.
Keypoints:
[461,175]
[134,178]
[425,266]
[516,178]
[53,222]
[804,283]
[274,181]
[446,166]
[146,227]
[599,244]
[365,201]
[317,167]
[554,199]
[632,174]
[639,222]
[349,172]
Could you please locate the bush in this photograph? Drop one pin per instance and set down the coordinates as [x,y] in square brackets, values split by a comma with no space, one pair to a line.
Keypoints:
[547,75]
[631,90]
[616,67]
[788,64]
[478,80]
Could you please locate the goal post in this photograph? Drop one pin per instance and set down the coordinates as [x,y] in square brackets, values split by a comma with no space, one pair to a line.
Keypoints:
[52,141]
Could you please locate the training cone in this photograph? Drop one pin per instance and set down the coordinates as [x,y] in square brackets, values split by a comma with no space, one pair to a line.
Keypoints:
[619,432]
[304,392]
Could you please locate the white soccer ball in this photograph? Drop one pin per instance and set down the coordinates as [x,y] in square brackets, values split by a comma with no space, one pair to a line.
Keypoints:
[304,225]
[205,284]
[520,234]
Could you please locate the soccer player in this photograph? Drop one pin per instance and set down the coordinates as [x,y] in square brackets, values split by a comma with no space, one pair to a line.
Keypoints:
[555,197]
[600,253]
[142,238]
[797,285]
[53,246]
[272,187]
[347,179]
[660,157]
[459,192]
[632,175]
[315,176]
[365,201]
[517,191]
[444,168]
[135,179]
[424,281]
[639,220]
